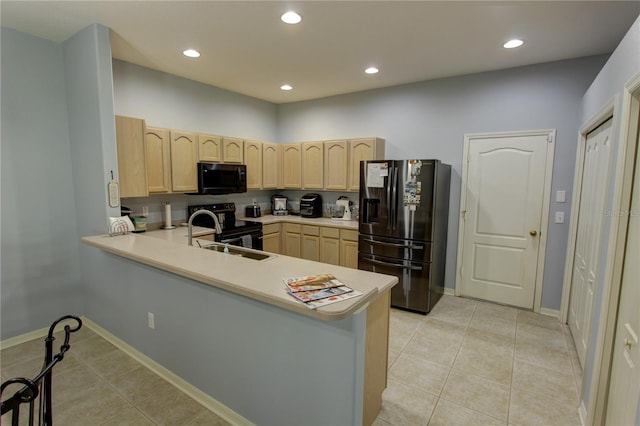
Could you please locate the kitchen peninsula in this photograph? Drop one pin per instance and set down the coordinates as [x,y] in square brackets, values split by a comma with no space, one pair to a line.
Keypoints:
[244,341]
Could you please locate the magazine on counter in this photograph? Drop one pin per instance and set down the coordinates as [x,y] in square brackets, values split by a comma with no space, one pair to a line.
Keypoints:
[312,282]
[308,296]
[333,299]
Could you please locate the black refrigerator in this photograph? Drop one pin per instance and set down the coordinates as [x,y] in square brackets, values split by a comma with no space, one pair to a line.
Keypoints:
[404,209]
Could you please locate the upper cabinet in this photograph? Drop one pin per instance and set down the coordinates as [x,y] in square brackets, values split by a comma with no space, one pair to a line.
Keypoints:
[184,157]
[362,150]
[336,155]
[312,165]
[209,148]
[271,170]
[253,161]
[232,150]
[132,171]
[291,166]
[157,149]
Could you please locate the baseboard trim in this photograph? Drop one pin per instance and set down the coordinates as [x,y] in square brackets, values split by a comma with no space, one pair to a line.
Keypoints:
[550,312]
[32,335]
[449,291]
[582,412]
[210,403]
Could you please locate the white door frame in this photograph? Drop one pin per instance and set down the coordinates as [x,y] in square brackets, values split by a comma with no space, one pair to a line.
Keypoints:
[546,200]
[600,378]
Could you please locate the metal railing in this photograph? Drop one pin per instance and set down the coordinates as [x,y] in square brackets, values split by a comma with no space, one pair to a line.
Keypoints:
[38,390]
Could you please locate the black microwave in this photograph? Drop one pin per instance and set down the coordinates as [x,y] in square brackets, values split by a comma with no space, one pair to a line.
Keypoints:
[218,178]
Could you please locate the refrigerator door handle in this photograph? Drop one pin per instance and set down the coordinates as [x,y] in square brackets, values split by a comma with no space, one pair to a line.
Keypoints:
[390,197]
[394,198]
[409,246]
[396,265]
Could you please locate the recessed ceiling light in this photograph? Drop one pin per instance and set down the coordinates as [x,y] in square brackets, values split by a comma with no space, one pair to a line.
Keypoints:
[513,43]
[191,53]
[372,70]
[286,87]
[291,17]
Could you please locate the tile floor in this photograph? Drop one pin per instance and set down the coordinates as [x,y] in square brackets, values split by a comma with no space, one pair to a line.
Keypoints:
[475,363]
[466,363]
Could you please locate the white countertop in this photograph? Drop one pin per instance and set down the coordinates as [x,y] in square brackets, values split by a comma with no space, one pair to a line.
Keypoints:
[319,221]
[260,280]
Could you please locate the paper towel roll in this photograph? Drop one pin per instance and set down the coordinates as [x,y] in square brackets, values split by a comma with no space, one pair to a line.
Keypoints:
[167,217]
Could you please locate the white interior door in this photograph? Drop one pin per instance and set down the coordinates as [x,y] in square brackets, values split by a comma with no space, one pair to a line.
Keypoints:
[503,203]
[624,387]
[589,235]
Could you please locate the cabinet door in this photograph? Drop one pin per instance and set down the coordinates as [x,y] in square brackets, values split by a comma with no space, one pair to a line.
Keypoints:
[330,245]
[361,150]
[349,248]
[270,165]
[311,242]
[292,244]
[253,161]
[132,171]
[335,165]
[209,148]
[232,150]
[312,165]
[292,160]
[156,142]
[271,243]
[184,159]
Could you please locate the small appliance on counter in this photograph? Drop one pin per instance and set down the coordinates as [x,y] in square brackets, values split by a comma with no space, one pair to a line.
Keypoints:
[343,208]
[279,205]
[311,205]
[252,210]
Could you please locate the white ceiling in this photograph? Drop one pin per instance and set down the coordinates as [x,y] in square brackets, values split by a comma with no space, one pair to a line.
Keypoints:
[247,49]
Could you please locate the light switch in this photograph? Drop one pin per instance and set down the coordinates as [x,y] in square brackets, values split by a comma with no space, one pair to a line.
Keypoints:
[561,196]
[559,217]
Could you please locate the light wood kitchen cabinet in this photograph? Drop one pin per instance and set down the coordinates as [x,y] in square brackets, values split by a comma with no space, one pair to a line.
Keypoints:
[312,165]
[292,238]
[271,237]
[361,150]
[232,150]
[336,163]
[330,245]
[157,148]
[132,172]
[291,166]
[184,159]
[209,148]
[311,242]
[271,165]
[349,248]
[253,161]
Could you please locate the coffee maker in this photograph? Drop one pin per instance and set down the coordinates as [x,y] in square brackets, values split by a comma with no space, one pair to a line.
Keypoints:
[279,205]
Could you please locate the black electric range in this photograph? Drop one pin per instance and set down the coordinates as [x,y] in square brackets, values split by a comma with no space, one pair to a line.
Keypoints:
[235,232]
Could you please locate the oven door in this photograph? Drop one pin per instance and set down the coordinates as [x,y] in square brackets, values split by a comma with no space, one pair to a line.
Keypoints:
[252,240]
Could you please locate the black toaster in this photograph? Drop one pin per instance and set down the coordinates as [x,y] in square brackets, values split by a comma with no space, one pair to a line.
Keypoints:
[252,210]
[311,205]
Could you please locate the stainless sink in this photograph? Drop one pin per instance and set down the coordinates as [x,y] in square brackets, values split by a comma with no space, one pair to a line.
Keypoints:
[238,251]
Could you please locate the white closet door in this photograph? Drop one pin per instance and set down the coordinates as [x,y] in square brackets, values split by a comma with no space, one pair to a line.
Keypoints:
[586,262]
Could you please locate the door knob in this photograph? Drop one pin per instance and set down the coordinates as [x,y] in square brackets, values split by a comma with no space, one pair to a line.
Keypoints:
[533,232]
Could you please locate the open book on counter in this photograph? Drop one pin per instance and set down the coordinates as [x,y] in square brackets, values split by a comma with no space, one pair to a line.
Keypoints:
[319,290]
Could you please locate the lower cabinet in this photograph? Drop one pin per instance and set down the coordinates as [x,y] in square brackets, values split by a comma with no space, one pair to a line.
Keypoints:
[324,244]
[349,248]
[291,239]
[271,238]
[311,242]
[330,245]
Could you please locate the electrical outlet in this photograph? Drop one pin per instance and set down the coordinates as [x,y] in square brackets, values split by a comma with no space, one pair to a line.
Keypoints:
[145,211]
[559,217]
[152,320]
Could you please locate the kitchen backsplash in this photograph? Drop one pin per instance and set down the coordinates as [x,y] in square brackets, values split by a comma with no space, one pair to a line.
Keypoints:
[179,202]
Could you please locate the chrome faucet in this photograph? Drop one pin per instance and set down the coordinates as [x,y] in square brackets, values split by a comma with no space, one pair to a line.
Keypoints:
[218,229]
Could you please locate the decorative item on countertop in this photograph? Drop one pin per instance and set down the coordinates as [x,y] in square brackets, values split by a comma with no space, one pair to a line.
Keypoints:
[120,226]
[139,223]
[167,217]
